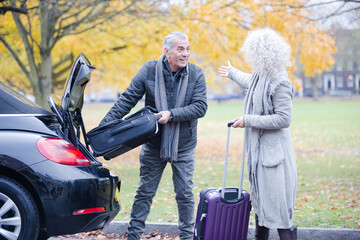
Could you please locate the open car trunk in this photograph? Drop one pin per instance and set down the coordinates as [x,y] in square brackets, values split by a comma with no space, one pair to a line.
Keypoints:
[68,109]
[108,140]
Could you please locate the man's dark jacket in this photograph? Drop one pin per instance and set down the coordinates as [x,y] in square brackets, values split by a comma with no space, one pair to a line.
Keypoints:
[195,104]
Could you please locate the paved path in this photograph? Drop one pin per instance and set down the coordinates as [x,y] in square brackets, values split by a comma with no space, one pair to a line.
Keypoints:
[120,227]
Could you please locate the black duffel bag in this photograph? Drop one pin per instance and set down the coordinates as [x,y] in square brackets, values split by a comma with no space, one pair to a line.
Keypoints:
[119,136]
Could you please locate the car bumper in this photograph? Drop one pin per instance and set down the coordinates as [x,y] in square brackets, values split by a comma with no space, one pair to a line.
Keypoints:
[64,189]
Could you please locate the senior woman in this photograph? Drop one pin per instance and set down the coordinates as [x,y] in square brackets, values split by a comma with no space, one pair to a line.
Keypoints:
[267,116]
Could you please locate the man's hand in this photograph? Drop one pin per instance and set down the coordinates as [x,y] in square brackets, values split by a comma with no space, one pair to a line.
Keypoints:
[165,117]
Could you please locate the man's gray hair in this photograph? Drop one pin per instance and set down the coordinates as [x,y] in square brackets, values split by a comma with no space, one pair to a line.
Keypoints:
[168,43]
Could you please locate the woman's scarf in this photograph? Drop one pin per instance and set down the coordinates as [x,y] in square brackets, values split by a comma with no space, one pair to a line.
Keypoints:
[171,130]
[257,102]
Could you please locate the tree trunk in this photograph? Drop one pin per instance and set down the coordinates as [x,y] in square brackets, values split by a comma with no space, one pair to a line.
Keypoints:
[45,78]
[33,73]
[47,23]
[314,85]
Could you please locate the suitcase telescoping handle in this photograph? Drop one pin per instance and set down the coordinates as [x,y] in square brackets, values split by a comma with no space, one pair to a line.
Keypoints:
[226,163]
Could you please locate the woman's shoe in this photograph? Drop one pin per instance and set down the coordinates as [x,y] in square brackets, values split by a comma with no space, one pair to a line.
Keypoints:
[288,234]
[261,233]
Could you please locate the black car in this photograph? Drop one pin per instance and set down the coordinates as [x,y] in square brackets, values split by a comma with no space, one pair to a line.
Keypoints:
[50,182]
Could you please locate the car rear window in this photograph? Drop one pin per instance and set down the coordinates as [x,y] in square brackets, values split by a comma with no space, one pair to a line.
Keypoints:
[12,102]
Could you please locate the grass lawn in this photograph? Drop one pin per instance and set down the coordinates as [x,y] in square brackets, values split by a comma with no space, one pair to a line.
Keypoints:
[326,139]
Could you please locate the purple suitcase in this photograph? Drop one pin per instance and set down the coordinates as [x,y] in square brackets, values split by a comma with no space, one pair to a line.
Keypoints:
[223,213]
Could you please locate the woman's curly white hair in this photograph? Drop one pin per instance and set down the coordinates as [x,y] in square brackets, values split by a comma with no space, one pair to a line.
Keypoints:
[266,51]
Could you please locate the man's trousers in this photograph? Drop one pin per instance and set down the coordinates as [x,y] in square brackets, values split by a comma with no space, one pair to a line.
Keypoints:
[151,170]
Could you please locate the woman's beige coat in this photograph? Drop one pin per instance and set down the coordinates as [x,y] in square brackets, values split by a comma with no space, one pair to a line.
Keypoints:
[273,173]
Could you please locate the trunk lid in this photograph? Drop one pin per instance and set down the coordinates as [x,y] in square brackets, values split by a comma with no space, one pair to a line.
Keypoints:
[68,109]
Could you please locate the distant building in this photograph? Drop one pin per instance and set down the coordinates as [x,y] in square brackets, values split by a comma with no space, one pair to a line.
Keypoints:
[342,79]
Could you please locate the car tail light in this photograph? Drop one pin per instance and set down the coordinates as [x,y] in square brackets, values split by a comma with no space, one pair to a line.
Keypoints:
[61,151]
[88,210]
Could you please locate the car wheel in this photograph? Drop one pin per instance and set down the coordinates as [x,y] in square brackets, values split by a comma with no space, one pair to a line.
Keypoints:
[19,217]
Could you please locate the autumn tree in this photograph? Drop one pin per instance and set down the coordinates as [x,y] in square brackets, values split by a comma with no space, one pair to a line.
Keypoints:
[331,14]
[218,29]
[118,50]
[45,24]
[119,47]
[348,10]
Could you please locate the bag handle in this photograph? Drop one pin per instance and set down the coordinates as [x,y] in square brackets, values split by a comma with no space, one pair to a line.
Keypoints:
[121,128]
[136,122]
[226,163]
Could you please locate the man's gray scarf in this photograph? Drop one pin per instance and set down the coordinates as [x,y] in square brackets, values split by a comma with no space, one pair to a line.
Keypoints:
[171,130]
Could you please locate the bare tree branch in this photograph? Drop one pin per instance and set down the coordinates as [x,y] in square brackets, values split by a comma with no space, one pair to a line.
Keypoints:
[15,56]
[28,49]
[5,9]
[30,33]
[346,6]
[82,8]
[96,17]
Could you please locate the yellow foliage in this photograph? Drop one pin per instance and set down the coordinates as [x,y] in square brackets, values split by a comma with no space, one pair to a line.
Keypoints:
[216,30]
[221,27]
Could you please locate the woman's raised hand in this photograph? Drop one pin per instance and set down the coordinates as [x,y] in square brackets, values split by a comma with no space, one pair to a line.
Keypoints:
[224,70]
